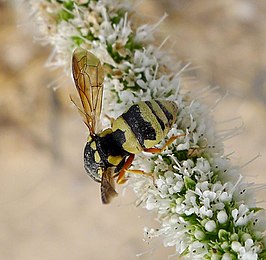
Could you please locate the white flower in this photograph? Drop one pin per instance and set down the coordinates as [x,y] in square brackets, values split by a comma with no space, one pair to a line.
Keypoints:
[198,250]
[236,246]
[222,217]
[241,216]
[227,256]
[259,220]
[205,212]
[210,226]
[195,190]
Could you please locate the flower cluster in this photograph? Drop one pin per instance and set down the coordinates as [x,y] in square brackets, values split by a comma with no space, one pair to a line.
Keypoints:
[201,200]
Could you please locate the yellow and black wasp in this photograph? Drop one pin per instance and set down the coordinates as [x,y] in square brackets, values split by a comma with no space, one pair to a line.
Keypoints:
[108,154]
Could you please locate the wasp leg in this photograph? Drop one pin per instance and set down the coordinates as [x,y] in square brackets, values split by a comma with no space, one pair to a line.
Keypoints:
[137,172]
[141,172]
[111,119]
[121,175]
[150,174]
[159,150]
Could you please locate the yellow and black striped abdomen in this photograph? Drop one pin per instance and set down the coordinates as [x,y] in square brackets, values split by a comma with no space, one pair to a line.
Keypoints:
[144,125]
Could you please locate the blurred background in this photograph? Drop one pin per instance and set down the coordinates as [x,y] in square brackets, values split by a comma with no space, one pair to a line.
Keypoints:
[49,208]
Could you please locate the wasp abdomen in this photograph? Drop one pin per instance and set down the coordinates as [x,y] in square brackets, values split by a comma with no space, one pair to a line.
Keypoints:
[144,124]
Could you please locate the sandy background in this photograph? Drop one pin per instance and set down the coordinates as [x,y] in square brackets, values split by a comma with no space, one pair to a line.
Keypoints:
[49,209]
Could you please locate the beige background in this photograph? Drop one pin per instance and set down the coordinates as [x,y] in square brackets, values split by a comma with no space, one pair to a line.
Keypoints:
[49,209]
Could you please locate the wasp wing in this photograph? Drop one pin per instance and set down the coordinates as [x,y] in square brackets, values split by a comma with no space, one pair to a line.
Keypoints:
[107,186]
[88,75]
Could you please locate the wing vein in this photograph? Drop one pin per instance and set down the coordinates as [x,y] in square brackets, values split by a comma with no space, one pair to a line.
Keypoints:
[88,76]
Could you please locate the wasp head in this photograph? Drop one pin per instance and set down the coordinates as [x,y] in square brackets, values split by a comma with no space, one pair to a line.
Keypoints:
[93,163]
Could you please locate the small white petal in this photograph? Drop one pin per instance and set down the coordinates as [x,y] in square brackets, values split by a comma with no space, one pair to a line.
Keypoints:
[248,244]
[227,256]
[236,246]
[210,226]
[199,235]
[222,217]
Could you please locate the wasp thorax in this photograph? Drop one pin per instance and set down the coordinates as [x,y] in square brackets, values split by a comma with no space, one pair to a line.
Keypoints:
[93,163]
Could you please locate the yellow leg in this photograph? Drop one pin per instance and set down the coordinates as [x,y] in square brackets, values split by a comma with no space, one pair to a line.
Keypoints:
[136,171]
[121,175]
[159,150]
[111,119]
[142,172]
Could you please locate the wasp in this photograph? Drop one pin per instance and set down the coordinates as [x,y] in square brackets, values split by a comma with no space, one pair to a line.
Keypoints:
[108,154]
